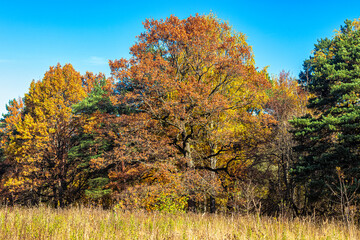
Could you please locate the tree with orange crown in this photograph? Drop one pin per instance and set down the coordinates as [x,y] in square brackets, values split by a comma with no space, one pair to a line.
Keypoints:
[193,88]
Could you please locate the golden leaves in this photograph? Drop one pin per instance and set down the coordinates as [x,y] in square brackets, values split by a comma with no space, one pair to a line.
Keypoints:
[44,125]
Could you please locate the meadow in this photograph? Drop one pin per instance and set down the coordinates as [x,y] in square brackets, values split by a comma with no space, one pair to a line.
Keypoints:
[94,223]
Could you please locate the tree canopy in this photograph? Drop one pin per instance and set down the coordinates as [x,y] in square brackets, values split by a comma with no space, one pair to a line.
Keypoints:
[41,130]
[328,139]
[188,122]
[194,83]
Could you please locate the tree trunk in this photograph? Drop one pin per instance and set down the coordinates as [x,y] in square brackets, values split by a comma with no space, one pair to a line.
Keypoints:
[188,155]
[212,205]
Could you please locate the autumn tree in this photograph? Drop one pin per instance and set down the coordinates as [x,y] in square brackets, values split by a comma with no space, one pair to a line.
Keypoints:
[41,134]
[193,86]
[328,139]
[13,114]
[287,99]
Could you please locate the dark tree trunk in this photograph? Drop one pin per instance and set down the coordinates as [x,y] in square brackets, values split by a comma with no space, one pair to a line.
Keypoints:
[212,205]
[191,205]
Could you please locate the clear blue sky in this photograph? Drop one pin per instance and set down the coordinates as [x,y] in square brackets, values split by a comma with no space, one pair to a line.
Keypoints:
[37,34]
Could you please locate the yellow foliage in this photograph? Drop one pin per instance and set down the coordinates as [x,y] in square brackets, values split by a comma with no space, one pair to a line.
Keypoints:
[44,125]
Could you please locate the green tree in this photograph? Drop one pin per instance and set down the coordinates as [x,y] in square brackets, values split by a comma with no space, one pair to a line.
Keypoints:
[92,144]
[329,138]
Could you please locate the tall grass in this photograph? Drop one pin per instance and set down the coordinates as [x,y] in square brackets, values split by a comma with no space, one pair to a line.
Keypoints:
[90,223]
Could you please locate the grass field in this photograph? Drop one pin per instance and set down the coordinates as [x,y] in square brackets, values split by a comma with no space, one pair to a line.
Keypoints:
[87,223]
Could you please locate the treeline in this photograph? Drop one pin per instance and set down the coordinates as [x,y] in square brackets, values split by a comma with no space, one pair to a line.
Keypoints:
[189,123]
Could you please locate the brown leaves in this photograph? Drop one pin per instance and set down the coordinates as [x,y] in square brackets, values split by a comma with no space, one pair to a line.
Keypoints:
[194,95]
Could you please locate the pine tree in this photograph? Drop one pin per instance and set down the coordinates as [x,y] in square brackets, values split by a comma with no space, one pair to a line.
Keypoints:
[92,145]
[329,138]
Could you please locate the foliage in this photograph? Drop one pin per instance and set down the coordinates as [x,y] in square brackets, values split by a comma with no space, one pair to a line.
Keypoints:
[41,132]
[95,107]
[188,123]
[329,138]
[287,100]
[193,86]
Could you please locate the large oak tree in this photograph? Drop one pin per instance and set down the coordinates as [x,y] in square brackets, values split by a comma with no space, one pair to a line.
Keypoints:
[193,87]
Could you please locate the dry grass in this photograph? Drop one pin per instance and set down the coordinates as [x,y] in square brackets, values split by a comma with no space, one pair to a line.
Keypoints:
[86,223]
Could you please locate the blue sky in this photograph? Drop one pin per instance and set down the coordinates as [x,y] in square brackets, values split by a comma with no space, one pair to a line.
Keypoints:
[37,34]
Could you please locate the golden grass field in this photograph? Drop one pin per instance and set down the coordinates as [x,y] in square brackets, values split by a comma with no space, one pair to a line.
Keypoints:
[92,223]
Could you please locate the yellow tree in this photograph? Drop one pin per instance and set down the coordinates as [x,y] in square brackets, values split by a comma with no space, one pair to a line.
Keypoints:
[43,132]
[287,99]
[14,109]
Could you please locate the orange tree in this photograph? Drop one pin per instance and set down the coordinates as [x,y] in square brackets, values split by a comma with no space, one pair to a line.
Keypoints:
[193,101]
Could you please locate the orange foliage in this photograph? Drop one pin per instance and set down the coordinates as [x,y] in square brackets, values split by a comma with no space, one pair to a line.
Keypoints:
[195,99]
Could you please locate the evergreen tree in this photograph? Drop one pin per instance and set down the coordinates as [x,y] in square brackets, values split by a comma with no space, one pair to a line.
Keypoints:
[95,107]
[329,138]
